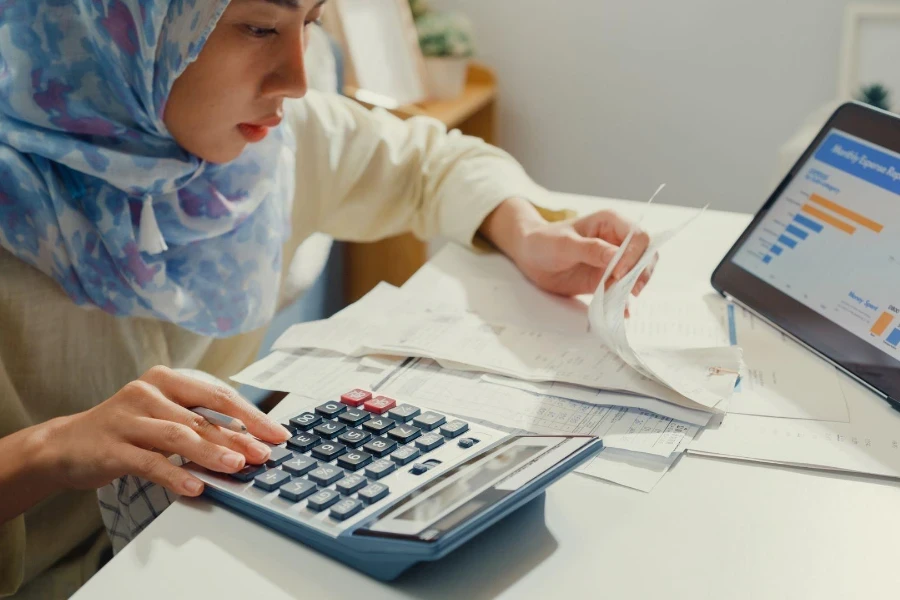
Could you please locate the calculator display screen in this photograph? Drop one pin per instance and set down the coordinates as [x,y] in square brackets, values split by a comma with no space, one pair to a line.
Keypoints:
[472,481]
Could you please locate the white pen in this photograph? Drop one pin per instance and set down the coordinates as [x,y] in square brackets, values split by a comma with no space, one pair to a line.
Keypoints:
[223,421]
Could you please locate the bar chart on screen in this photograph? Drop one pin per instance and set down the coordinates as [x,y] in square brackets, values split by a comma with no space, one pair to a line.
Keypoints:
[831,238]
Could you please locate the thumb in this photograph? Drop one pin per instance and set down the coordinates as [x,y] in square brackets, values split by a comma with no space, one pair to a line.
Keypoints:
[590,251]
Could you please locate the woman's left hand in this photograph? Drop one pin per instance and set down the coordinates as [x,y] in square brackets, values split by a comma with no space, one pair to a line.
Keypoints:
[567,257]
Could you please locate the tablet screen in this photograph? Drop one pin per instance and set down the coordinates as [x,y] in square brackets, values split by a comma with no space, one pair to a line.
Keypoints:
[831,239]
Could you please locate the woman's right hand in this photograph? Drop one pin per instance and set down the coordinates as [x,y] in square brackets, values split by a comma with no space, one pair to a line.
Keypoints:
[147,420]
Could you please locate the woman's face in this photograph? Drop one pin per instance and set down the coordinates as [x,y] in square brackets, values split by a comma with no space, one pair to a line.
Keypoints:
[233,93]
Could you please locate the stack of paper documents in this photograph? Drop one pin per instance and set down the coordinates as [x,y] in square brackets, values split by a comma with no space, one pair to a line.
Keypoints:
[640,445]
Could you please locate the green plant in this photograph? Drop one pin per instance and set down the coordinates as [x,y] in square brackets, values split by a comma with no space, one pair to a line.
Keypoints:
[876,95]
[445,35]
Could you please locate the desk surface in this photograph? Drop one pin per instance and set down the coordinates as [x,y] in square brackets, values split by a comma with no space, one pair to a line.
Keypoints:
[711,529]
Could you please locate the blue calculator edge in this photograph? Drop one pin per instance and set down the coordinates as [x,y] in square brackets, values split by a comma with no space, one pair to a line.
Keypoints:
[369,556]
[472,475]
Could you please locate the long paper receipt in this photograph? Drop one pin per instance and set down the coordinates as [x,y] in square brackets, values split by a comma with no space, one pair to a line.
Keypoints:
[705,375]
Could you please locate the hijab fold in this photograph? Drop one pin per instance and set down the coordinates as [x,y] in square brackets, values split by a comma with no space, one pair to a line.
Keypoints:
[96,193]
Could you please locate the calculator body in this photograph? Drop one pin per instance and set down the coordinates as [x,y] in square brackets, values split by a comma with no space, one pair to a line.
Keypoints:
[419,484]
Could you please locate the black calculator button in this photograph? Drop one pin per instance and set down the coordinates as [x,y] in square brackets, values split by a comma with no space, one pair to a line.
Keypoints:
[304,441]
[330,409]
[405,454]
[306,421]
[380,447]
[418,469]
[404,413]
[429,442]
[350,484]
[466,443]
[373,493]
[346,508]
[248,472]
[429,420]
[354,438]
[329,450]
[326,475]
[329,429]
[297,490]
[380,468]
[271,480]
[404,433]
[323,499]
[300,465]
[354,416]
[379,425]
[278,456]
[354,460]
[454,428]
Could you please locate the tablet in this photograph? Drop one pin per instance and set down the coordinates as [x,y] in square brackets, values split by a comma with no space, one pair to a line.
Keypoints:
[821,259]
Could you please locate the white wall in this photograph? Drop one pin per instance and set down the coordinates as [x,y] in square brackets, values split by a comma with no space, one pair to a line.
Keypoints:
[612,97]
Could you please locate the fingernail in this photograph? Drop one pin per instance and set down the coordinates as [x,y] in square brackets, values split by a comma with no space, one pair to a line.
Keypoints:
[192,486]
[284,432]
[259,451]
[233,460]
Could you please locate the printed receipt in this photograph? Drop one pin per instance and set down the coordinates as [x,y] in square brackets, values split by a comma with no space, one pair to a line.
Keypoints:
[705,375]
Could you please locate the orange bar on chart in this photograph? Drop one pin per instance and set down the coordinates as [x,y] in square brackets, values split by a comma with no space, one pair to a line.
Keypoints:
[824,216]
[882,323]
[846,212]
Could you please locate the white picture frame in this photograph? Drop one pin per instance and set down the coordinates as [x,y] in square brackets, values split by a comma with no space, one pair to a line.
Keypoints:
[381,44]
[871,50]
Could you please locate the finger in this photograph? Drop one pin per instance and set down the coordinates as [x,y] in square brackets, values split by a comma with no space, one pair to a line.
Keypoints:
[633,253]
[175,438]
[152,466]
[605,224]
[644,279]
[190,392]
[254,451]
[590,251]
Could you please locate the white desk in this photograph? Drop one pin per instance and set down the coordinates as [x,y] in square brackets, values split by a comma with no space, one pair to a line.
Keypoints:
[711,529]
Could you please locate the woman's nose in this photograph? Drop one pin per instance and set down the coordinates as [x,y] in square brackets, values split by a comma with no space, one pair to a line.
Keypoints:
[289,80]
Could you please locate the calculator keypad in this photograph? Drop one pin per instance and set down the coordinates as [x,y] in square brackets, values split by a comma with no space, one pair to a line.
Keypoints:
[341,451]
[306,421]
[354,438]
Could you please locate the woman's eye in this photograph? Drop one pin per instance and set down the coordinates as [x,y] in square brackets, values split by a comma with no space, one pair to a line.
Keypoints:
[259,32]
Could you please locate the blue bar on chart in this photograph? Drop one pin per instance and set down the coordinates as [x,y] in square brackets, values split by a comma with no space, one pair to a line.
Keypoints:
[894,338]
[767,258]
[786,241]
[808,223]
[776,250]
[797,232]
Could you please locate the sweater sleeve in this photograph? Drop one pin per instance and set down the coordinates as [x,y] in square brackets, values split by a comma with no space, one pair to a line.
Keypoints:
[366,175]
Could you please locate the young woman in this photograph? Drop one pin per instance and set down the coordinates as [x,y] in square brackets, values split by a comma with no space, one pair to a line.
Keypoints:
[157,164]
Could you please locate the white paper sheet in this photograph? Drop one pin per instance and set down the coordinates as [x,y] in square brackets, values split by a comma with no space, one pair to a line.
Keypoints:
[781,378]
[705,375]
[603,398]
[871,449]
[315,374]
[464,394]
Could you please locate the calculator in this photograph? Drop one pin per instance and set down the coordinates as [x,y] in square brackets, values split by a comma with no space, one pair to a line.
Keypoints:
[382,485]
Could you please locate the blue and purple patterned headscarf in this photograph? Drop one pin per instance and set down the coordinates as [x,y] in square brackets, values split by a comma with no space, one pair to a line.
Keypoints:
[95,192]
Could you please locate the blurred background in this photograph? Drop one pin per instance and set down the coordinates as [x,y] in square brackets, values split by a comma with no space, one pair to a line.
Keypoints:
[613,97]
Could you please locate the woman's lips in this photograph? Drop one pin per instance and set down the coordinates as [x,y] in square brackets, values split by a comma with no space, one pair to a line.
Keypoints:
[256,132]
[253,133]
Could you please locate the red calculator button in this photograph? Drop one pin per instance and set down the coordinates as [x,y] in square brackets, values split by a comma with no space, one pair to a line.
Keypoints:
[380,404]
[356,397]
